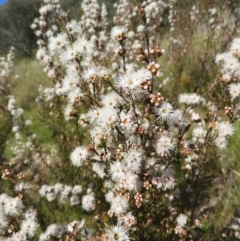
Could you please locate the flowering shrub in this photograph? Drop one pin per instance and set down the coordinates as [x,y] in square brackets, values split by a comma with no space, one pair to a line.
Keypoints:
[6,66]
[133,160]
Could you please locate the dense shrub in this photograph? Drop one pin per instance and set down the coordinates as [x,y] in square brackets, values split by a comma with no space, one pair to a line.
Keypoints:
[140,115]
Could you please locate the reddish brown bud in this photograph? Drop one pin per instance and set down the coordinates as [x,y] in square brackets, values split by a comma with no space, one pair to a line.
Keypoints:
[142,11]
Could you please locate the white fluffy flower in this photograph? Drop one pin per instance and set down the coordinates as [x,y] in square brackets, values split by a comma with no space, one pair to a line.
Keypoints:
[117,233]
[119,205]
[90,74]
[3,221]
[11,103]
[58,43]
[19,236]
[28,227]
[58,188]
[225,129]
[30,214]
[79,155]
[74,200]
[75,95]
[166,181]
[107,116]
[181,220]
[50,196]
[117,171]
[220,142]
[77,189]
[109,196]
[128,219]
[191,99]
[13,206]
[75,225]
[111,99]
[73,27]
[83,47]
[69,55]
[164,112]
[199,134]
[165,145]
[131,82]
[234,90]
[88,202]
[140,28]
[118,33]
[99,169]
[70,82]
[131,182]
[21,186]
[133,159]
[55,230]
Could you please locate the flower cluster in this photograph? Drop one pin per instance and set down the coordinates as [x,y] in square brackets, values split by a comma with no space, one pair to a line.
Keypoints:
[63,191]
[12,209]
